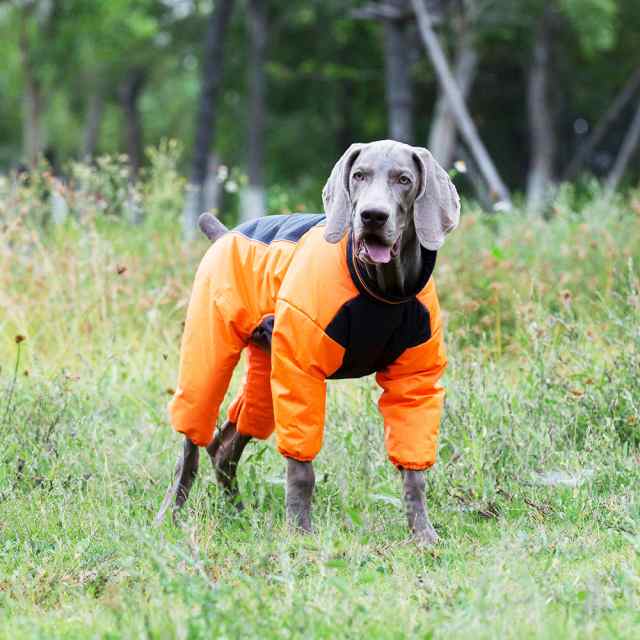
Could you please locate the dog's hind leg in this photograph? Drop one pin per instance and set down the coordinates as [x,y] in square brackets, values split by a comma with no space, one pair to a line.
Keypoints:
[250,414]
[187,466]
[225,452]
[186,470]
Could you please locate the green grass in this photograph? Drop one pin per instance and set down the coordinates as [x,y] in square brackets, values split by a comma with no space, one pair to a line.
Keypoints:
[544,342]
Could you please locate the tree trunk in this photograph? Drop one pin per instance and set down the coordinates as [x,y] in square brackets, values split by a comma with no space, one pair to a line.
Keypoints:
[442,137]
[32,101]
[344,108]
[593,140]
[398,85]
[33,129]
[542,139]
[212,70]
[464,122]
[95,109]
[253,200]
[629,145]
[130,91]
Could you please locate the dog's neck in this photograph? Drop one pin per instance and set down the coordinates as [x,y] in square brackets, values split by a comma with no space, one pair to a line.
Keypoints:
[401,276]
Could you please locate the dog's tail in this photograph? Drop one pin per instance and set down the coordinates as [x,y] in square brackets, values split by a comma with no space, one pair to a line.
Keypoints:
[211,226]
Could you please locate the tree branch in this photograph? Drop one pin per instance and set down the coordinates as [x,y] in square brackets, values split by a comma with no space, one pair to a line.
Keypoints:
[626,151]
[593,140]
[463,119]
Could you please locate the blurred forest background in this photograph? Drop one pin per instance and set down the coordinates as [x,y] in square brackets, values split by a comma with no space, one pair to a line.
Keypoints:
[260,97]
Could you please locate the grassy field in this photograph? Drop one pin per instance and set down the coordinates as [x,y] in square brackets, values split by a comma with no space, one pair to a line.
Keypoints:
[535,495]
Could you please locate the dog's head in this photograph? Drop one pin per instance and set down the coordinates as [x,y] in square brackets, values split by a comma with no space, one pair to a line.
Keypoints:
[381,187]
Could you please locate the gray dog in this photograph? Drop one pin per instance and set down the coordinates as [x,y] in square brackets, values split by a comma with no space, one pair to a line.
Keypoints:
[346,296]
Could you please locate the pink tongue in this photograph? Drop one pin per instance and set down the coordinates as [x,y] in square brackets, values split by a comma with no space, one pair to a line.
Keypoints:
[378,252]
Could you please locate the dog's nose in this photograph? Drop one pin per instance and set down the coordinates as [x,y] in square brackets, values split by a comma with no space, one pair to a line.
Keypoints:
[374,217]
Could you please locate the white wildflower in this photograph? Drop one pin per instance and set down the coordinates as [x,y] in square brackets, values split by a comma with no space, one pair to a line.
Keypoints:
[460,166]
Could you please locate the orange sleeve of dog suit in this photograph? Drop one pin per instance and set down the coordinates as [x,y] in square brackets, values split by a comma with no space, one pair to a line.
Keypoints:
[302,357]
[211,347]
[412,399]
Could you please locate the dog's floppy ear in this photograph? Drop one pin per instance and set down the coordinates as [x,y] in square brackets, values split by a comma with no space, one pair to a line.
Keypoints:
[335,195]
[436,210]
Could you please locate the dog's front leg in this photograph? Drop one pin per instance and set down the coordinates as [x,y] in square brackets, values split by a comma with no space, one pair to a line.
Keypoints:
[300,483]
[419,522]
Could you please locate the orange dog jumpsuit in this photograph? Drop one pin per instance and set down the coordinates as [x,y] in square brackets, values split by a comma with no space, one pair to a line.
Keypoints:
[277,279]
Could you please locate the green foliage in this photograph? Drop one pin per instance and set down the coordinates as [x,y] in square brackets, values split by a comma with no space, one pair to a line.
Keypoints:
[595,22]
[164,186]
[534,493]
[325,80]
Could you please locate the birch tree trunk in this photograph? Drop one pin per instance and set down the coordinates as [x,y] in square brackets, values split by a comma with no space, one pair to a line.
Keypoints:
[629,145]
[499,191]
[253,200]
[542,139]
[212,69]
[587,148]
[33,136]
[398,85]
[442,136]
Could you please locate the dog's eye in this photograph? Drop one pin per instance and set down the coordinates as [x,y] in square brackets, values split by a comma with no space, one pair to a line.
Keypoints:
[358,175]
[404,180]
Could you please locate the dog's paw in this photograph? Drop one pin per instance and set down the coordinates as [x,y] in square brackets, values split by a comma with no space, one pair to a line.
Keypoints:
[426,537]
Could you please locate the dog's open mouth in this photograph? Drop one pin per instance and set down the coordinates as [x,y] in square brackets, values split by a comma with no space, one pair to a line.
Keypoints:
[373,250]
